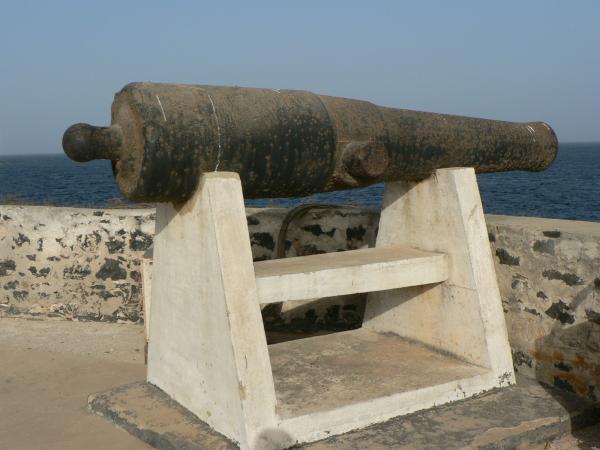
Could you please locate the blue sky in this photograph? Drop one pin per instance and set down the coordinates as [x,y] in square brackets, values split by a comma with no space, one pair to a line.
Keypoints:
[62,61]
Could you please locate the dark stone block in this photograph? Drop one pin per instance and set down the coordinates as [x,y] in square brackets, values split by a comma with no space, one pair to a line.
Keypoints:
[544,247]
[140,241]
[76,272]
[532,311]
[561,312]
[332,314]
[517,280]
[593,316]
[135,292]
[492,237]
[88,241]
[563,366]
[592,393]
[98,213]
[21,239]
[563,384]
[552,234]
[5,266]
[356,233]
[263,240]
[41,273]
[541,294]
[310,249]
[520,358]
[569,279]
[310,315]
[11,285]
[513,300]
[115,246]
[251,220]
[111,269]
[129,314]
[105,294]
[317,230]
[20,295]
[31,257]
[506,258]
[135,275]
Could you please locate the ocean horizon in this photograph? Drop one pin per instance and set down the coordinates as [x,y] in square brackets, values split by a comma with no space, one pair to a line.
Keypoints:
[569,189]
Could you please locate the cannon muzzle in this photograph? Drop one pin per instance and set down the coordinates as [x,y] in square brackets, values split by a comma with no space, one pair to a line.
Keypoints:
[286,143]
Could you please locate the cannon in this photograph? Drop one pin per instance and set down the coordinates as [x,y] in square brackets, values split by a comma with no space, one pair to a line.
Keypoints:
[288,143]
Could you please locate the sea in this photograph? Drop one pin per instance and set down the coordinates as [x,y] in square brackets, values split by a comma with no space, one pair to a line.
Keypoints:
[569,189]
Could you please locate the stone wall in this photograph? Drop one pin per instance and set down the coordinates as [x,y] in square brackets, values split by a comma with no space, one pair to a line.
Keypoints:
[73,263]
[85,264]
[549,277]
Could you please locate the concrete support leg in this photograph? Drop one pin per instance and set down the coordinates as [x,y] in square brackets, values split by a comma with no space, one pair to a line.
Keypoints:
[463,315]
[208,349]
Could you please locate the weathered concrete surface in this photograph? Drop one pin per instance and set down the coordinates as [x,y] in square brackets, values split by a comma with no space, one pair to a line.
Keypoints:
[148,413]
[345,273]
[463,315]
[47,371]
[207,346]
[367,370]
[524,416]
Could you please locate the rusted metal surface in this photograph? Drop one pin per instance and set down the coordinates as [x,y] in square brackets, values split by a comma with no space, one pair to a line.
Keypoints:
[287,143]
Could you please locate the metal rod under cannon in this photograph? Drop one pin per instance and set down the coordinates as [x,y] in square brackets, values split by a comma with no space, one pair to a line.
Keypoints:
[286,143]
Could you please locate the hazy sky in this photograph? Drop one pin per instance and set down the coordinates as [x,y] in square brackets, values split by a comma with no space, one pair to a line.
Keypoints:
[62,61]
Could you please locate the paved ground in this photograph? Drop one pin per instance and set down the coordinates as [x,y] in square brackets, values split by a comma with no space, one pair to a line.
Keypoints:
[47,371]
[49,368]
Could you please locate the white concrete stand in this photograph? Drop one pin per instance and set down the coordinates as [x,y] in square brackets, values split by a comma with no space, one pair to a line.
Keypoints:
[433,331]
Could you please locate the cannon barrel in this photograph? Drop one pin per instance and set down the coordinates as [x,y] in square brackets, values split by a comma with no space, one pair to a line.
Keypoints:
[286,143]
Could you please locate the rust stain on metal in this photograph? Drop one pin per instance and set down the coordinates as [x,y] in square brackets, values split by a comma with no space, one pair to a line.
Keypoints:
[286,143]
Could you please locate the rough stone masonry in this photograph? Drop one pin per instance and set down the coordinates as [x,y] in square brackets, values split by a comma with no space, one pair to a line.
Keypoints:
[85,264]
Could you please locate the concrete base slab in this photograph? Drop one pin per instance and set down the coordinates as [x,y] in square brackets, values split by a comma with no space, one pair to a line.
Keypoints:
[519,416]
[324,373]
